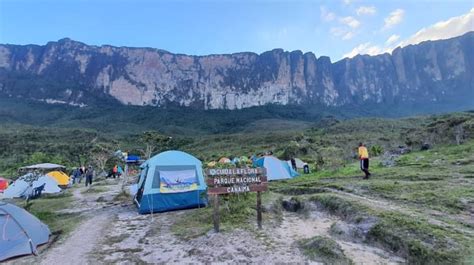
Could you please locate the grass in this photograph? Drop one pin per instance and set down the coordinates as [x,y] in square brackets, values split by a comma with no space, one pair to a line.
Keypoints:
[323,249]
[46,209]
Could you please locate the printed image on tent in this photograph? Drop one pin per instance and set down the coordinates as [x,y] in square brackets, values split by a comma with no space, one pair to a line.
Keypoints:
[21,232]
[50,184]
[276,169]
[19,188]
[61,178]
[169,181]
[225,160]
[299,163]
[3,184]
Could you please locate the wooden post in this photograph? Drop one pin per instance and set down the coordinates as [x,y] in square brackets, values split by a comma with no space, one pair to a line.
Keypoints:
[259,210]
[215,215]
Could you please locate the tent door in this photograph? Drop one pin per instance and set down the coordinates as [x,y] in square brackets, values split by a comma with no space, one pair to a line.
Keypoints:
[141,189]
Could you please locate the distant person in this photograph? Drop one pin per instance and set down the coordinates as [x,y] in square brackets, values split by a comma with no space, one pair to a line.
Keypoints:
[76,175]
[293,164]
[306,169]
[89,175]
[364,160]
[119,171]
[114,171]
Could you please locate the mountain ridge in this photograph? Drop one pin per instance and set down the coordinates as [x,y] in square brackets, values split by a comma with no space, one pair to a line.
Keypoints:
[75,73]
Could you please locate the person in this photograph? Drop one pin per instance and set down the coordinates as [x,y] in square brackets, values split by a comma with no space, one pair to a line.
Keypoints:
[364,160]
[89,175]
[76,175]
[119,171]
[114,171]
[293,164]
[82,172]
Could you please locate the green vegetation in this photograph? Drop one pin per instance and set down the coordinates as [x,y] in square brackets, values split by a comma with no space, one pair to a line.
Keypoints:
[420,202]
[47,209]
[324,249]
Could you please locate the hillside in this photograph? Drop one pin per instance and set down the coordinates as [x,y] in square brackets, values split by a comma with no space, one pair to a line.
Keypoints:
[74,73]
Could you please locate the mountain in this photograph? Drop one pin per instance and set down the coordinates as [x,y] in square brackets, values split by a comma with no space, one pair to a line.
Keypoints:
[74,73]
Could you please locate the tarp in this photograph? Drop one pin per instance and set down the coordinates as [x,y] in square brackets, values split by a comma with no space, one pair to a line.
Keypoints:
[299,163]
[19,188]
[21,233]
[43,166]
[276,169]
[50,184]
[169,181]
[3,184]
[61,178]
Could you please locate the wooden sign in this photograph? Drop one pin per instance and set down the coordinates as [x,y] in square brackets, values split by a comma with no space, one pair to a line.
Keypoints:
[236,180]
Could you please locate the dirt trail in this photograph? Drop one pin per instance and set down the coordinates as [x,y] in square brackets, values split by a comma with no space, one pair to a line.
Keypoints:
[75,248]
[294,228]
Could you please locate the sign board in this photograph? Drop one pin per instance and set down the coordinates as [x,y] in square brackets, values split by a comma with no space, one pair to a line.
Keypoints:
[236,180]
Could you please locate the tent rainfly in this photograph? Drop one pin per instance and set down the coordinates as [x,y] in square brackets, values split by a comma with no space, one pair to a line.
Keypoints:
[21,232]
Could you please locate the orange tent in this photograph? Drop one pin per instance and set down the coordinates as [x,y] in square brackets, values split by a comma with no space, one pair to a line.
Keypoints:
[61,178]
[224,160]
[3,184]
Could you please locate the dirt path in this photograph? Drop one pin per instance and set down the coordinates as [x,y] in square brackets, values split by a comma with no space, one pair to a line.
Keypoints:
[294,228]
[75,248]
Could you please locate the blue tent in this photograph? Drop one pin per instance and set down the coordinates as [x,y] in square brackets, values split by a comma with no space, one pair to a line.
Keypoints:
[169,181]
[276,169]
[21,232]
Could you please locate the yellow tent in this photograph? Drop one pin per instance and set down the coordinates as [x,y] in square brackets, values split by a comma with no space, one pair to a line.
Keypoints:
[212,164]
[61,178]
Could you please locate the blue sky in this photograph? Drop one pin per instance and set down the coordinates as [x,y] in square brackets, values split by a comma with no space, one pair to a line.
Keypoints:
[334,28]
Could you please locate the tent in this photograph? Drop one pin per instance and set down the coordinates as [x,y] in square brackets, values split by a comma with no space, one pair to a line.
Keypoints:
[244,159]
[43,166]
[212,164]
[50,184]
[19,188]
[169,181]
[299,163]
[225,160]
[21,232]
[276,169]
[3,184]
[61,178]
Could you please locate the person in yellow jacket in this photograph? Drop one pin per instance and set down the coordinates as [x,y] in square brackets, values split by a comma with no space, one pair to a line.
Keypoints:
[364,160]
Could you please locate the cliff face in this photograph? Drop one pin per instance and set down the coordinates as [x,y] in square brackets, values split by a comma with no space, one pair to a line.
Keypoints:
[74,73]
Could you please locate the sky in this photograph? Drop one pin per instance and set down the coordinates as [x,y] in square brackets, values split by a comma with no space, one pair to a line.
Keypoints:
[338,28]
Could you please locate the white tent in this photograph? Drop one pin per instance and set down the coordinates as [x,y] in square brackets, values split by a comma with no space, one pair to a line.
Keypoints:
[19,188]
[299,163]
[43,166]
[50,185]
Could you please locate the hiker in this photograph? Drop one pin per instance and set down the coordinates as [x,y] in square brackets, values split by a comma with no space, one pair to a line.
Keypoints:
[364,160]
[89,175]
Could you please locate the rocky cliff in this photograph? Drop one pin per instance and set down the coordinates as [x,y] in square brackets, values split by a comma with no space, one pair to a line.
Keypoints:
[71,72]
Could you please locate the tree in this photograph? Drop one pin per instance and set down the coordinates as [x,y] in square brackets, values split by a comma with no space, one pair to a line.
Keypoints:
[154,142]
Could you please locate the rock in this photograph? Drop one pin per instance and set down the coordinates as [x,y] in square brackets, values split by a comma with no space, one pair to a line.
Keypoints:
[425,146]
[292,205]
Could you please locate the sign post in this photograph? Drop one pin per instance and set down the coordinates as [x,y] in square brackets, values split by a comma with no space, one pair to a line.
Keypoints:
[236,180]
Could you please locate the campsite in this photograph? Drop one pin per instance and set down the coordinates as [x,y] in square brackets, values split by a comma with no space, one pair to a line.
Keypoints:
[328,215]
[236,132]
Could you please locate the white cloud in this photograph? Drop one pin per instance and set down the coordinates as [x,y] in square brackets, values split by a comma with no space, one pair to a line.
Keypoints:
[452,27]
[348,35]
[364,48]
[347,2]
[392,39]
[350,21]
[343,33]
[366,10]
[326,15]
[394,18]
